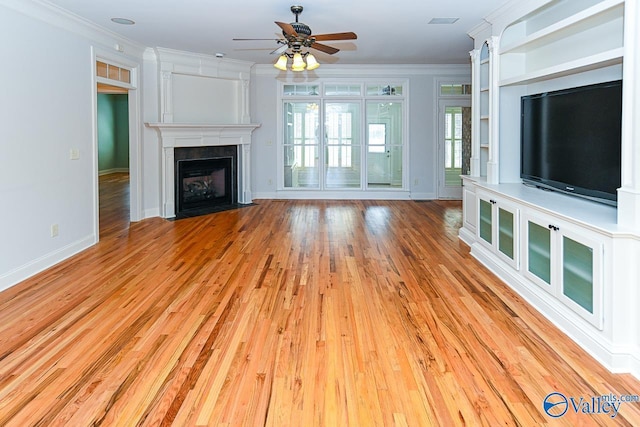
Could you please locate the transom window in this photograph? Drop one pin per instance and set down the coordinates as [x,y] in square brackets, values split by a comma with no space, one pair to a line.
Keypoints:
[113,72]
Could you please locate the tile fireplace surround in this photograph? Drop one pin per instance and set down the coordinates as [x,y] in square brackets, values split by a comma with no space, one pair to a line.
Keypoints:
[173,135]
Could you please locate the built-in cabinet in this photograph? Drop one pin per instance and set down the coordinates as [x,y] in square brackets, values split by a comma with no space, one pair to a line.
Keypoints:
[568,257]
[565,261]
[543,251]
[498,227]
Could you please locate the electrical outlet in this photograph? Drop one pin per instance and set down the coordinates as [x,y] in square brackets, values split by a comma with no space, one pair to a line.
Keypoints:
[270,181]
[415,181]
[269,143]
[54,230]
[74,154]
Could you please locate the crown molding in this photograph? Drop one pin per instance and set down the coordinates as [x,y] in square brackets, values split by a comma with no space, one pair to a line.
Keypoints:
[511,11]
[53,15]
[183,62]
[480,29]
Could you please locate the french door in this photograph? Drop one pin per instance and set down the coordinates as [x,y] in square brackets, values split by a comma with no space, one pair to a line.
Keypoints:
[351,143]
[343,147]
[384,144]
[327,157]
[454,120]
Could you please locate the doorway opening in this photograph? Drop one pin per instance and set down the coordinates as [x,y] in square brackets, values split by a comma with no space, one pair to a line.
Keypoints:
[113,159]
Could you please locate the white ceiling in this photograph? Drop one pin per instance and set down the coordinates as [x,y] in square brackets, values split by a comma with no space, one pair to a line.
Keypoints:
[388,32]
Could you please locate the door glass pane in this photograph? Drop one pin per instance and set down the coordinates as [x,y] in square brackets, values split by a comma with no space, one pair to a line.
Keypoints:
[453,145]
[505,233]
[384,144]
[485,221]
[539,251]
[343,148]
[577,272]
[301,145]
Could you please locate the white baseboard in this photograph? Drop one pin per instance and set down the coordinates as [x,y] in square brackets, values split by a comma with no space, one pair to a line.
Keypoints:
[332,195]
[467,236]
[423,196]
[36,266]
[151,213]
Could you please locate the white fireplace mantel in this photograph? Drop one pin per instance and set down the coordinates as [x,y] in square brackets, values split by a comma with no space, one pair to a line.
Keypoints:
[173,135]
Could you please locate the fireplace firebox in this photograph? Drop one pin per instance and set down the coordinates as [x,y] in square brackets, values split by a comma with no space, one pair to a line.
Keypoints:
[206,180]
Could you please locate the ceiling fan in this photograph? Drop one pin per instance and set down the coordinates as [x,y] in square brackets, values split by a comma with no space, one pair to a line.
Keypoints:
[296,37]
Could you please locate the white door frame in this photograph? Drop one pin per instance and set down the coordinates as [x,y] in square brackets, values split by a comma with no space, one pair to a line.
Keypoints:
[445,192]
[135,158]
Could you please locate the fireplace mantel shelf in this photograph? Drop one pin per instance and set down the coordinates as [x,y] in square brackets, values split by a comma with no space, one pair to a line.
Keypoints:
[190,134]
[187,126]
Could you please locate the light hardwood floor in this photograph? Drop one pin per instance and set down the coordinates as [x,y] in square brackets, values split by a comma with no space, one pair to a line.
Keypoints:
[302,313]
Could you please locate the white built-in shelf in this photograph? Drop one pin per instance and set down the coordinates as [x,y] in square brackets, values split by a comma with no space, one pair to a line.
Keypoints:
[484,117]
[596,15]
[484,145]
[484,61]
[484,89]
[592,62]
[583,40]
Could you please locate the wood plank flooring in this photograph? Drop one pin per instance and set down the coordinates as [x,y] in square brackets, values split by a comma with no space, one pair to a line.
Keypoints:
[286,313]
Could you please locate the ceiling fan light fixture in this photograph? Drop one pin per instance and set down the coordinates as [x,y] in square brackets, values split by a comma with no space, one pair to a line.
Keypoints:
[281,63]
[312,64]
[298,62]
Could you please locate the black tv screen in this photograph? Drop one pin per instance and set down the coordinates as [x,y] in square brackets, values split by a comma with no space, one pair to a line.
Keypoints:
[571,140]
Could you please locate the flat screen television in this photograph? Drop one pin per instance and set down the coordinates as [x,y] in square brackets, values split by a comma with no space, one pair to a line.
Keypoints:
[571,140]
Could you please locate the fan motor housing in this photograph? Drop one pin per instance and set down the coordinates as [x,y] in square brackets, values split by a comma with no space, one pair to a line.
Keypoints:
[301,28]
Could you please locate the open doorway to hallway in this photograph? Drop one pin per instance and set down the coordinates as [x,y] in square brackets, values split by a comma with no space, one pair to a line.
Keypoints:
[113,158]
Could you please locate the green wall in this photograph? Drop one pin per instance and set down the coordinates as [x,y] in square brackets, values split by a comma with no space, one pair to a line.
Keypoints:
[113,132]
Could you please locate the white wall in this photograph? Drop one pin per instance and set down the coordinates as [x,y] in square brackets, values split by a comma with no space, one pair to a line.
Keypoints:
[47,108]
[422,108]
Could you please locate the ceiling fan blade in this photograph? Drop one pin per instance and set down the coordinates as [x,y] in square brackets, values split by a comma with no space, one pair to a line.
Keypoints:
[280,50]
[335,36]
[324,48]
[287,28]
[243,40]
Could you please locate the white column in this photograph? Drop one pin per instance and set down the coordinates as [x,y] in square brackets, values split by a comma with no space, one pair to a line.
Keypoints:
[245,116]
[244,186]
[493,165]
[166,100]
[625,268]
[168,184]
[475,112]
[629,193]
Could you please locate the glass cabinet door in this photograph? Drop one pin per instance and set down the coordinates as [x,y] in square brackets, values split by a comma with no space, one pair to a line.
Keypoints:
[485,221]
[577,273]
[566,264]
[506,230]
[539,254]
